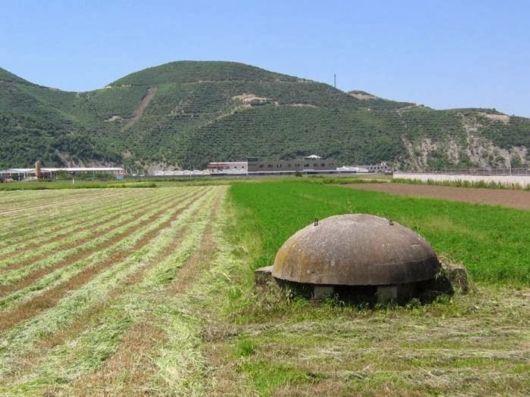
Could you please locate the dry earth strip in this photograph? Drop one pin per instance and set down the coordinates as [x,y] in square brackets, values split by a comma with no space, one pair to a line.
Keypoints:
[504,197]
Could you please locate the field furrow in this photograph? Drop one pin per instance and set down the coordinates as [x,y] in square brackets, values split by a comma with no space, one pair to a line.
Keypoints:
[22,212]
[15,230]
[131,365]
[105,222]
[33,284]
[96,217]
[104,303]
[117,230]
[159,221]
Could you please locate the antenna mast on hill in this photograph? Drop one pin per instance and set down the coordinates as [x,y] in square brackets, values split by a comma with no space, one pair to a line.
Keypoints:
[335,80]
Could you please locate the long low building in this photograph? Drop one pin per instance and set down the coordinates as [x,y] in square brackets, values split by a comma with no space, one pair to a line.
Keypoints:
[307,164]
[23,173]
[255,166]
[228,167]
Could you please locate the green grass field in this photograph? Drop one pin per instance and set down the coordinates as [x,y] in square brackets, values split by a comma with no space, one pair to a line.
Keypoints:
[118,292]
[475,344]
[492,242]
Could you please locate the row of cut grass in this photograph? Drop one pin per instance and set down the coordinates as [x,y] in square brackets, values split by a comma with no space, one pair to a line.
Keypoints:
[124,244]
[19,213]
[17,227]
[86,352]
[38,217]
[97,222]
[118,228]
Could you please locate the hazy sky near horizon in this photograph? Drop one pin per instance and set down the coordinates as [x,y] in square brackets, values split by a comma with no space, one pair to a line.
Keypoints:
[444,54]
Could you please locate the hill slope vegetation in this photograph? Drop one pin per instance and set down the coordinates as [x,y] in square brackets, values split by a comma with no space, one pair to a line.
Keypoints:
[185,114]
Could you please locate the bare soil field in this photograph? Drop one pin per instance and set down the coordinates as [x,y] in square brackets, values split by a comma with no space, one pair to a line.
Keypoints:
[507,198]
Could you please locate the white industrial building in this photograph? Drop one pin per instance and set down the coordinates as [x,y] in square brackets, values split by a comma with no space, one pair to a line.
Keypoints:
[228,167]
[46,172]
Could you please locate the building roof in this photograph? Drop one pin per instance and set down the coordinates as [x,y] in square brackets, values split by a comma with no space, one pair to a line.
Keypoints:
[72,169]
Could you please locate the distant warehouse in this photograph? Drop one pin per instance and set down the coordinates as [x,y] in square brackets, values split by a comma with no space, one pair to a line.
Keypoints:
[312,164]
[306,164]
[228,167]
[50,173]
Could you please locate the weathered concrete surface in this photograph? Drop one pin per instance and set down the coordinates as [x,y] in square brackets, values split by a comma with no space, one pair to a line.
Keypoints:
[263,275]
[457,276]
[355,250]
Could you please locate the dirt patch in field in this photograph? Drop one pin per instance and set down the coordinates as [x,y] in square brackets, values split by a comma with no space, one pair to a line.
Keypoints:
[507,198]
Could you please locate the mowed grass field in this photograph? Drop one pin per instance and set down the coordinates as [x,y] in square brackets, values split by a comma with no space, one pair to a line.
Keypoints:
[150,291]
[88,284]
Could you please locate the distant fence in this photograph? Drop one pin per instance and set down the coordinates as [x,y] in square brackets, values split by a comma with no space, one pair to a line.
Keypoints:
[479,171]
[510,178]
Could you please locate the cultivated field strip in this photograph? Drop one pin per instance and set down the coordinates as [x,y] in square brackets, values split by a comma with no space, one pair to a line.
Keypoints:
[86,220]
[64,204]
[25,203]
[106,281]
[142,311]
[15,198]
[68,340]
[62,227]
[113,225]
[60,224]
[56,210]
[104,222]
[18,227]
[27,287]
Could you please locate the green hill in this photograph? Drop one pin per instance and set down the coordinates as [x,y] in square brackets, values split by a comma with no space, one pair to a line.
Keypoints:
[185,114]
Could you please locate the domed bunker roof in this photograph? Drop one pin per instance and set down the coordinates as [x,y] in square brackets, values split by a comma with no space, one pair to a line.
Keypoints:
[355,250]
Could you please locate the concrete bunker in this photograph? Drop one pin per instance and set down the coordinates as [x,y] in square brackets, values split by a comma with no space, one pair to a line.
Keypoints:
[358,258]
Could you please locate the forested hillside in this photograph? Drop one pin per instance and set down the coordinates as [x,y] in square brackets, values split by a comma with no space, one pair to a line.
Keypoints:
[185,114]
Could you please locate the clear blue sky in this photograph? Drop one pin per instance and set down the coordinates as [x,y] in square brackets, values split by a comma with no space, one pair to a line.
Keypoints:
[452,53]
